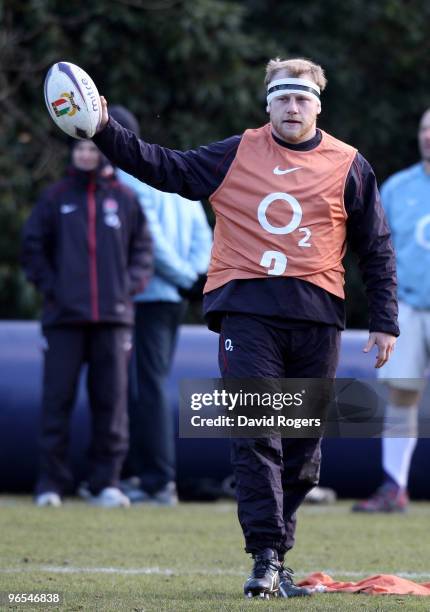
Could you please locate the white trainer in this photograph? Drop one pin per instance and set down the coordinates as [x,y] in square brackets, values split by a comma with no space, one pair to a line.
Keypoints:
[48,499]
[110,497]
[321,495]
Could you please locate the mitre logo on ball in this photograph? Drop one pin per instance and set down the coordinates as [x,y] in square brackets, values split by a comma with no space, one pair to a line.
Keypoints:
[72,100]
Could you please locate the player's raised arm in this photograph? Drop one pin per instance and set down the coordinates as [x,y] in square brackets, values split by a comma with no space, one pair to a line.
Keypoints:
[193,174]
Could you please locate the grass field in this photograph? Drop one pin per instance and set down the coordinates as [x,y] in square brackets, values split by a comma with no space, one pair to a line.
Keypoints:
[191,558]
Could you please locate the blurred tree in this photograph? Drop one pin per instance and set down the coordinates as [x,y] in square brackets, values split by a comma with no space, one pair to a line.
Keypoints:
[192,71]
[376,56]
[184,68]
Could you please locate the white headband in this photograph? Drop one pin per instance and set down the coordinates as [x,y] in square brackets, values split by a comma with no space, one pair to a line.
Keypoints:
[299,86]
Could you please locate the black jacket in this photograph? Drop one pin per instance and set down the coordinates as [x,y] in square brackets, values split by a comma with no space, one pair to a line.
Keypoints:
[87,249]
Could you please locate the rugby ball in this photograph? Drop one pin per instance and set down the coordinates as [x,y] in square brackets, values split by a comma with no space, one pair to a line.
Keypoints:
[72,100]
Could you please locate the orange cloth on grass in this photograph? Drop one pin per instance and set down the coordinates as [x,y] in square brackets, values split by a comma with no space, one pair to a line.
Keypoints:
[380,584]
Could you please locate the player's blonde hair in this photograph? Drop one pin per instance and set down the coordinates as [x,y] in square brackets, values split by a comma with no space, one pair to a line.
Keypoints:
[298,67]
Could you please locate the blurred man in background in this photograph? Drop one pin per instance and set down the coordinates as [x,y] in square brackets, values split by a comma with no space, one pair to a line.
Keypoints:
[406,199]
[87,249]
[182,243]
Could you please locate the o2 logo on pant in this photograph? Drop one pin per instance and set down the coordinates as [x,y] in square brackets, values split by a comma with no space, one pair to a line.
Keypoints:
[228,344]
[276,261]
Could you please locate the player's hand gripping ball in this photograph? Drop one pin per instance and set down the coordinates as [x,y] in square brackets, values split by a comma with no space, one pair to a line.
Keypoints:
[72,100]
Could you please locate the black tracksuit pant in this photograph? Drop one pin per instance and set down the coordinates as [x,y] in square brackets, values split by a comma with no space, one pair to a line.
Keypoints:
[105,347]
[273,475]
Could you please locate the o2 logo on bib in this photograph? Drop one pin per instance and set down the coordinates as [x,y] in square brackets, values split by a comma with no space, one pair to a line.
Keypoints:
[276,261]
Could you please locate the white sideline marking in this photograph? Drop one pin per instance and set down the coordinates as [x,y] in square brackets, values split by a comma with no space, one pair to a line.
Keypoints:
[55,569]
[121,571]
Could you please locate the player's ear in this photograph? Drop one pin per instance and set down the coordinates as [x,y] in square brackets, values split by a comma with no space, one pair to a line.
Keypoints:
[268,108]
[319,108]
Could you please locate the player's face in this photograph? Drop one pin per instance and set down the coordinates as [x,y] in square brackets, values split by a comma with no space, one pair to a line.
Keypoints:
[424,137]
[294,116]
[86,156]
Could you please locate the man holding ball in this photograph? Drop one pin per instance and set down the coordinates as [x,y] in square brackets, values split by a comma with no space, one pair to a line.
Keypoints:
[287,196]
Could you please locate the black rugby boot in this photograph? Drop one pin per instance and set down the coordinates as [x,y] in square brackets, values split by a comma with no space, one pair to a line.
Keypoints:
[287,588]
[264,579]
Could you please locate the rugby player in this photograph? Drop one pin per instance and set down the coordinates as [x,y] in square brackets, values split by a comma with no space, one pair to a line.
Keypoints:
[287,196]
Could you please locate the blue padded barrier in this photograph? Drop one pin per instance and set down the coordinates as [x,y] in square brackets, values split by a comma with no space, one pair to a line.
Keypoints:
[350,466]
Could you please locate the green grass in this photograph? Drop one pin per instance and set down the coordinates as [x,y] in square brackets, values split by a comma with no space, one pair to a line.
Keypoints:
[195,553]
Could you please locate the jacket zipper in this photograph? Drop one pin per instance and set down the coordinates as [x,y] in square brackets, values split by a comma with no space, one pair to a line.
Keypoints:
[92,250]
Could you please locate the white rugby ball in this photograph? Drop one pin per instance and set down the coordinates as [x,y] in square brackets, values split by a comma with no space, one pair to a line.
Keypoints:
[72,100]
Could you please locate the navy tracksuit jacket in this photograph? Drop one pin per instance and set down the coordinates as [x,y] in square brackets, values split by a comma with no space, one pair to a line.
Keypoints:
[87,249]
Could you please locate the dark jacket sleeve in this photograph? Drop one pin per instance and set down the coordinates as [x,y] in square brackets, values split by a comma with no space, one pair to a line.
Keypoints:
[369,236]
[37,247]
[193,174]
[140,259]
